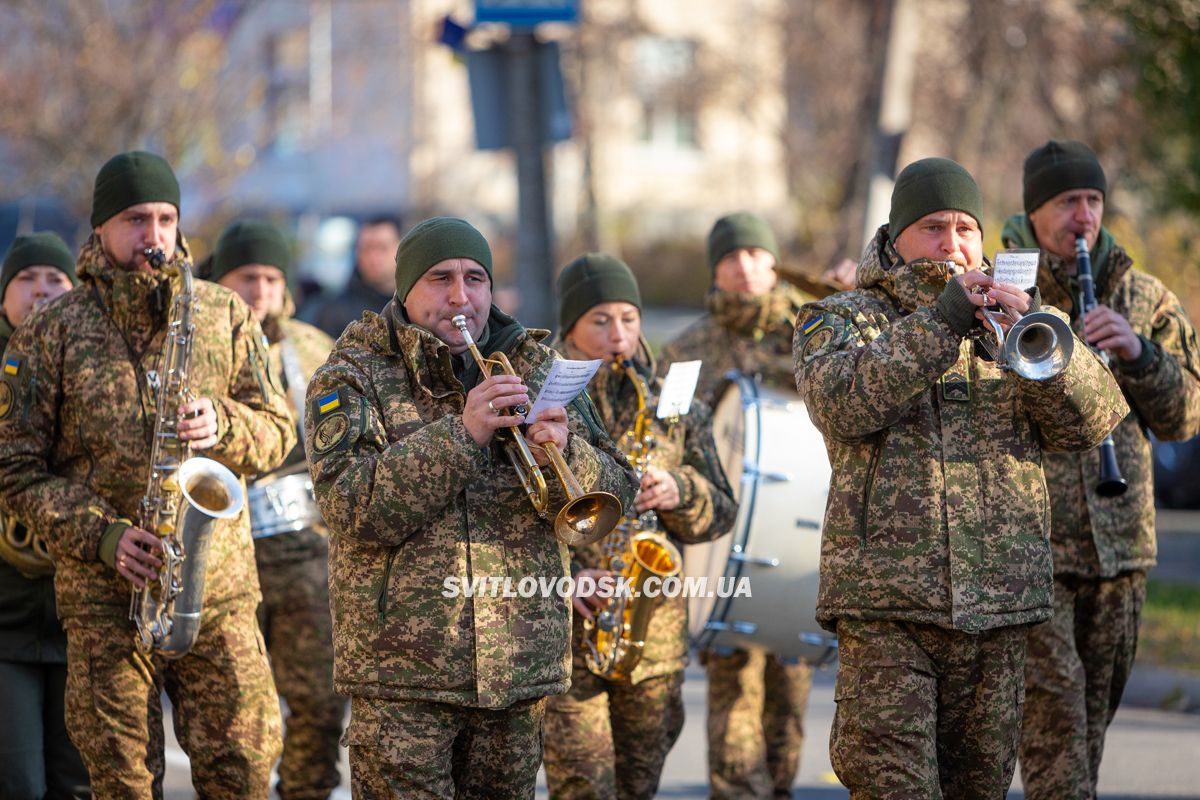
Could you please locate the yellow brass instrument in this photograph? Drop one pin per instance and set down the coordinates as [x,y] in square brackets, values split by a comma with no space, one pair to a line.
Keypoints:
[616,637]
[24,549]
[166,610]
[585,517]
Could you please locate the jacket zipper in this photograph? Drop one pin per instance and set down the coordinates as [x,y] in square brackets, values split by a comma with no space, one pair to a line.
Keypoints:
[866,495]
[387,575]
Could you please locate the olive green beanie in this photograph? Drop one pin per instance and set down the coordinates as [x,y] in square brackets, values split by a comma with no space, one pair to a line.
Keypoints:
[929,185]
[738,230]
[1059,166]
[589,280]
[36,250]
[245,243]
[436,240]
[129,179]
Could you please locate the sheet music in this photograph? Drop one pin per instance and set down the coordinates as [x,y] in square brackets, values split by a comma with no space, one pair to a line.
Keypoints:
[567,378]
[678,389]
[1018,267]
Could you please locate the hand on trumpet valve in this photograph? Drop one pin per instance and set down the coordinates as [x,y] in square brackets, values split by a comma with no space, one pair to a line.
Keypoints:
[551,426]
[487,404]
[1006,302]
[1107,330]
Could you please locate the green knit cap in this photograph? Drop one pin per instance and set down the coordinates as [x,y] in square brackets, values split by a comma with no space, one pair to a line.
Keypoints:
[245,243]
[929,185]
[36,250]
[738,230]
[129,179]
[1059,166]
[436,240]
[589,280]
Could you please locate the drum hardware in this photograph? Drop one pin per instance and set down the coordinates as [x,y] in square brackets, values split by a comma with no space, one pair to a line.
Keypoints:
[750,472]
[737,626]
[743,557]
[808,523]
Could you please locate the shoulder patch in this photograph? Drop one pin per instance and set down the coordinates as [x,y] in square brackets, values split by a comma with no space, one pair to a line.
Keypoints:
[818,333]
[12,365]
[8,399]
[330,432]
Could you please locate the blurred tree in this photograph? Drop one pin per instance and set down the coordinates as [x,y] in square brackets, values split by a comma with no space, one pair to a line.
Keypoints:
[81,80]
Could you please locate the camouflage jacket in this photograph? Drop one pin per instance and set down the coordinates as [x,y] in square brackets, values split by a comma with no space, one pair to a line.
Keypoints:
[1095,536]
[938,511]
[751,335]
[298,349]
[29,626]
[413,504]
[75,440]
[706,505]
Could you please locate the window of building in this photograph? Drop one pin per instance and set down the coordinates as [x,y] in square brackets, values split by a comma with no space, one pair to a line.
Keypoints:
[664,75]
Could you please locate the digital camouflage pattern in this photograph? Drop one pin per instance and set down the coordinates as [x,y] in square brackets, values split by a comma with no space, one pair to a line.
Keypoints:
[224,708]
[584,746]
[752,335]
[436,751]
[607,740]
[74,457]
[411,501]
[1094,536]
[756,704]
[742,332]
[923,711]
[938,511]
[1080,661]
[1075,675]
[293,571]
[82,373]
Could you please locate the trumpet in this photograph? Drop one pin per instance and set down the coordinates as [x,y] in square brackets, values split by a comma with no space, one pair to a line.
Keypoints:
[586,516]
[1111,484]
[1037,346]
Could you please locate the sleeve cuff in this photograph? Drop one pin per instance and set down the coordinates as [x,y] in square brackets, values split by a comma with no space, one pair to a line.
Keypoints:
[956,308]
[1142,362]
[687,488]
[109,540]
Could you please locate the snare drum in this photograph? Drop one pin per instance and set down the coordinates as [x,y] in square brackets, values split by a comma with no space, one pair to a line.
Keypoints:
[777,465]
[283,504]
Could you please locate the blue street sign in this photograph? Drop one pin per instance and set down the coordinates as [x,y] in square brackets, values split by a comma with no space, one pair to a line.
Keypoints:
[526,13]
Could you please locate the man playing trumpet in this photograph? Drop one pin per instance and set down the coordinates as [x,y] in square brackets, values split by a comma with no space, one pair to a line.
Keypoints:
[448,690]
[1102,545]
[935,558]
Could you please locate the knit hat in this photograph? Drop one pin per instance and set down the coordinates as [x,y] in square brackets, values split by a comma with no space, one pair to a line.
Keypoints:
[929,185]
[436,240]
[36,250]
[589,280]
[250,243]
[738,230]
[1058,166]
[131,178]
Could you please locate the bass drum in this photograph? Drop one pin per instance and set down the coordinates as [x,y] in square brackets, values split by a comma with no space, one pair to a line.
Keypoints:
[777,465]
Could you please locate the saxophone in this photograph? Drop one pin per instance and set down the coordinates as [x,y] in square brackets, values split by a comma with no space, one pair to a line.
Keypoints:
[185,496]
[616,637]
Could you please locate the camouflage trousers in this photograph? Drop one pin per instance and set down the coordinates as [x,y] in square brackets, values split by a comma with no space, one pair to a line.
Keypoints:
[756,704]
[37,759]
[607,740]
[1078,664]
[926,712]
[294,616]
[226,712]
[434,751]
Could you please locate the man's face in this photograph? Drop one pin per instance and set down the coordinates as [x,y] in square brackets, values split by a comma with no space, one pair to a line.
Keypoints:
[31,286]
[1058,221]
[608,330]
[260,285]
[375,255]
[749,270]
[125,235]
[449,288]
[943,236]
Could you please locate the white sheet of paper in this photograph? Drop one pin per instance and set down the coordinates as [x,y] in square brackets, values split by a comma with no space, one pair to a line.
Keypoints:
[567,378]
[678,389]
[1018,267]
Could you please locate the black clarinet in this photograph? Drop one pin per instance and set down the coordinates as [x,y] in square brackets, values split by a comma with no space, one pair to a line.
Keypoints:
[1111,484]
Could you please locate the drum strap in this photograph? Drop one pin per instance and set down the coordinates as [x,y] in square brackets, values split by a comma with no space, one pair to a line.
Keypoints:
[297,384]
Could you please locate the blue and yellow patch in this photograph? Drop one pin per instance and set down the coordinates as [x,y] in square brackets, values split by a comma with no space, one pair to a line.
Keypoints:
[812,324]
[330,402]
[12,365]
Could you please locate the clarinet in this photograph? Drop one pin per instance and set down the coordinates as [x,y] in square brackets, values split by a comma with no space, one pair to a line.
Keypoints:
[1111,484]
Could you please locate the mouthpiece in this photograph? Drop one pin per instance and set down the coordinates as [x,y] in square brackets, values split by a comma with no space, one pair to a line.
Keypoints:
[460,322]
[155,257]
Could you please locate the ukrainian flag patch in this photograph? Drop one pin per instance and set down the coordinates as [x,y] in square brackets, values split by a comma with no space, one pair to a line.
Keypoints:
[329,402]
[12,365]
[812,324]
